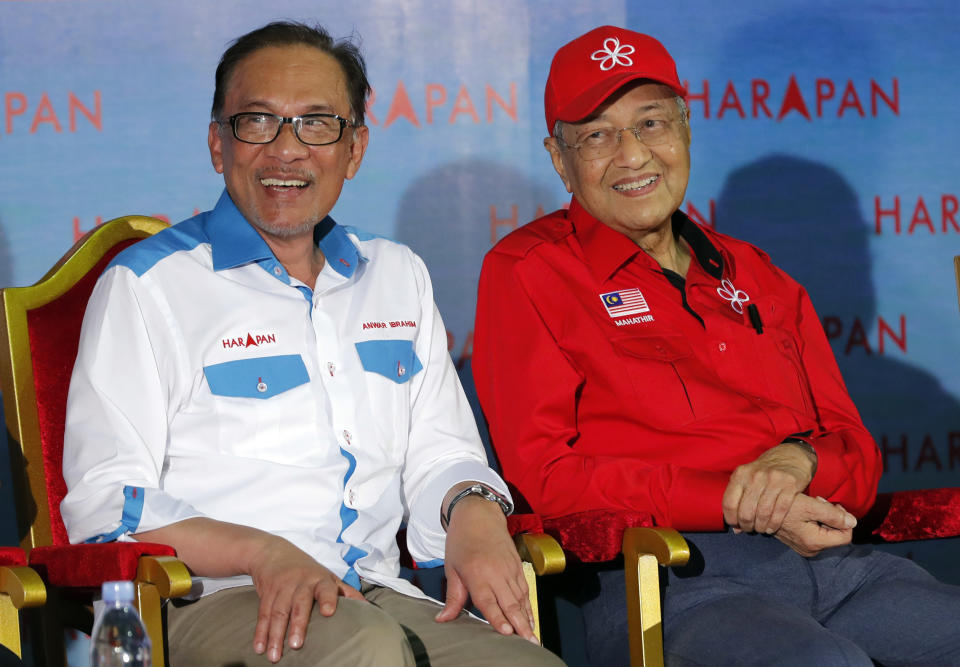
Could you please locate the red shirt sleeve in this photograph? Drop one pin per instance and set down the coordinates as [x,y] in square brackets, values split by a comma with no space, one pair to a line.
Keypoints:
[848,460]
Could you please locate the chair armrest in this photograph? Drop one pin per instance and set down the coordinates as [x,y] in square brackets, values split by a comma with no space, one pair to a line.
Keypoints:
[89,565]
[666,544]
[542,552]
[20,587]
[644,550]
[23,585]
[159,578]
[168,574]
[541,555]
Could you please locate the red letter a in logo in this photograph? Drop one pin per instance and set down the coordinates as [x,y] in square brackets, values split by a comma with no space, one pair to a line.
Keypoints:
[250,341]
[793,100]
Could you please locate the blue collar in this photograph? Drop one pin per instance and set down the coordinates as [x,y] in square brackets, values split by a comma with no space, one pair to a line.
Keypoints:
[340,252]
[234,242]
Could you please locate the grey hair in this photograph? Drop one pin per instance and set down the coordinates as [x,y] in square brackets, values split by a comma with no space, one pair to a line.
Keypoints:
[684,111]
[681,107]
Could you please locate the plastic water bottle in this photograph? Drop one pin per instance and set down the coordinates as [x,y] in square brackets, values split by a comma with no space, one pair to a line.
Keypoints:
[119,637]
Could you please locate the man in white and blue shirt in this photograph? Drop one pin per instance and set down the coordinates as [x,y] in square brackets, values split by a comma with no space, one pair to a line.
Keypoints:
[271,394]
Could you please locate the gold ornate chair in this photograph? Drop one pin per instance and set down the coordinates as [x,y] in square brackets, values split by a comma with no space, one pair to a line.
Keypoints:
[39,335]
[600,536]
[20,587]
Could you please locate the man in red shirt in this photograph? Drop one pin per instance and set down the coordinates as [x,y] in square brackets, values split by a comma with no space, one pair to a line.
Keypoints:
[627,358]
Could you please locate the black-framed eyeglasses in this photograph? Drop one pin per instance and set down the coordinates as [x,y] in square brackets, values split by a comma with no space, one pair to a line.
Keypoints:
[313,129]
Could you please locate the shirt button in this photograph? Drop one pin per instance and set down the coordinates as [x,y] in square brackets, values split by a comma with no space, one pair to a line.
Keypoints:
[277,271]
[347,436]
[331,368]
[352,497]
[261,386]
[722,347]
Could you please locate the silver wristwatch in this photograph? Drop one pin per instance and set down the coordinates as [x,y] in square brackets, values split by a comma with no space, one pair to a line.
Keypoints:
[484,492]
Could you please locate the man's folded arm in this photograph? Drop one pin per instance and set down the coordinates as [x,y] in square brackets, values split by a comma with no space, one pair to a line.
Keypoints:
[211,548]
[848,460]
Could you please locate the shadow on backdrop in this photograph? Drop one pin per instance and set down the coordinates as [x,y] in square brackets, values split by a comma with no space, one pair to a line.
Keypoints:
[451,217]
[807,218]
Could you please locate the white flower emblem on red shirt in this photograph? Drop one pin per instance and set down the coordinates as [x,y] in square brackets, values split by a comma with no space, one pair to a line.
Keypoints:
[613,53]
[736,297]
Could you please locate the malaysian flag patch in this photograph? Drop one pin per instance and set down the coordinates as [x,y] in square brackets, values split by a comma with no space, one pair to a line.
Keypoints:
[624,302]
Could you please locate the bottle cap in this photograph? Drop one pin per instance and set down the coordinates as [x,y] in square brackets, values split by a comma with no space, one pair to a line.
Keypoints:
[117,591]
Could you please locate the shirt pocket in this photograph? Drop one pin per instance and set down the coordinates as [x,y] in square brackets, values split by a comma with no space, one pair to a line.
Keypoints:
[779,355]
[265,410]
[395,360]
[654,365]
[260,377]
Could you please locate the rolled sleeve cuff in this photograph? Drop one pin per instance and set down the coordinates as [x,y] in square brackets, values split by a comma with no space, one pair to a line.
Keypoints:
[425,536]
[146,509]
[698,501]
[831,473]
[161,509]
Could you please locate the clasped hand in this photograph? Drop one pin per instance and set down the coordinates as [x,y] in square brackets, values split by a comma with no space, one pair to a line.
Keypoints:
[767,496]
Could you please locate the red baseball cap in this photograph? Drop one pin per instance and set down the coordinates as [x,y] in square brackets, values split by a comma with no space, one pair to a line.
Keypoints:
[589,69]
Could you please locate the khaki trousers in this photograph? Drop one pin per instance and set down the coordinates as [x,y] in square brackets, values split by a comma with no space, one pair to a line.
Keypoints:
[389,629]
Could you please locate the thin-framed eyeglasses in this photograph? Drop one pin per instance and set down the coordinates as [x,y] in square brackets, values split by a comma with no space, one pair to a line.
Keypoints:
[601,142]
[313,129]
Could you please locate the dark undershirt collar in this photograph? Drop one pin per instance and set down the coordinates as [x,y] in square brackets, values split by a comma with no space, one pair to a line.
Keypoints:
[706,254]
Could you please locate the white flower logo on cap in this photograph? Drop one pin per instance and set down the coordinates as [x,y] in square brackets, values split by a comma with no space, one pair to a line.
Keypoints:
[613,53]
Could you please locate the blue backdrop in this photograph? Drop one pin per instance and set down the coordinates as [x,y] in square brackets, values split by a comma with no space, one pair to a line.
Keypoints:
[822,131]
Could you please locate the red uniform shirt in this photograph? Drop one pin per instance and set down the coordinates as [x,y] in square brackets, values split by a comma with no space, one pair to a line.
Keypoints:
[606,386]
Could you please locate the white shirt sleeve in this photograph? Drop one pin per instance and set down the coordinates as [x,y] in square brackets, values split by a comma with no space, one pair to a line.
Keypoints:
[117,414]
[444,445]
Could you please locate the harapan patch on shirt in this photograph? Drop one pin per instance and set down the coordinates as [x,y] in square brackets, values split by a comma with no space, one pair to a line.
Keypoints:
[250,339]
[624,302]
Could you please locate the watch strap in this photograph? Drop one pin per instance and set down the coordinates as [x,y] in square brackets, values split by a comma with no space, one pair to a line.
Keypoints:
[476,489]
[803,443]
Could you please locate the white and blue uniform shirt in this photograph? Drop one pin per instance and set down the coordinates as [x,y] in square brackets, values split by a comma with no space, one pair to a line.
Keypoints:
[210,383]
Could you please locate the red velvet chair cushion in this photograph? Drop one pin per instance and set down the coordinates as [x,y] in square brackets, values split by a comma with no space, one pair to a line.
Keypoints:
[594,536]
[89,565]
[12,557]
[917,515]
[524,523]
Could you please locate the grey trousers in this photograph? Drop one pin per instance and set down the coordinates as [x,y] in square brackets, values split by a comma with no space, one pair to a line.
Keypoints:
[749,600]
[389,629]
